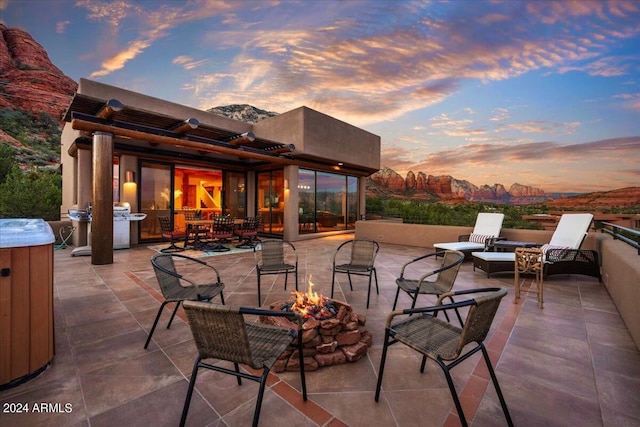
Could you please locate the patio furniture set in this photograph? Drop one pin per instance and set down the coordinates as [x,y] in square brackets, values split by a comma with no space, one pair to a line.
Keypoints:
[222,332]
[210,234]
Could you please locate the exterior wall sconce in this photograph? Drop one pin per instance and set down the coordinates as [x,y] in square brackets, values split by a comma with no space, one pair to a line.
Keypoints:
[130,176]
[286,184]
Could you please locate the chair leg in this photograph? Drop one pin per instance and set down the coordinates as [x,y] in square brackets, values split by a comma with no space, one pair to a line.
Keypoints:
[454,394]
[155,323]
[286,278]
[237,368]
[333,281]
[382,362]
[369,290]
[423,364]
[395,301]
[259,299]
[375,276]
[415,299]
[175,310]
[263,383]
[192,383]
[296,274]
[503,403]
[350,284]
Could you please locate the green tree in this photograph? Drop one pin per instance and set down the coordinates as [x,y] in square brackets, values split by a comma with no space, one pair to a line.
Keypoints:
[34,194]
[7,160]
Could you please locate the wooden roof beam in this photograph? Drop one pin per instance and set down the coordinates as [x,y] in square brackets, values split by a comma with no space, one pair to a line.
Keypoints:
[152,138]
[242,139]
[183,127]
[110,107]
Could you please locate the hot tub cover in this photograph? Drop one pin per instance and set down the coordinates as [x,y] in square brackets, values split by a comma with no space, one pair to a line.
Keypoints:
[18,232]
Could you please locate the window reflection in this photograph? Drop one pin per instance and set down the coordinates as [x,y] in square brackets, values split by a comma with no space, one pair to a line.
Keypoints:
[327,201]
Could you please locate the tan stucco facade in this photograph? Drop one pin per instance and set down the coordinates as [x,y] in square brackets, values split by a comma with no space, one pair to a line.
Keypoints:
[141,130]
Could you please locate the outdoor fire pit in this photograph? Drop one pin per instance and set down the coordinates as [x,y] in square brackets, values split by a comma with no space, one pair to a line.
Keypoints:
[332,333]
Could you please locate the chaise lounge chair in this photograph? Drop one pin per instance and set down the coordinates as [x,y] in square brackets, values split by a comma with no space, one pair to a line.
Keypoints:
[562,255]
[485,231]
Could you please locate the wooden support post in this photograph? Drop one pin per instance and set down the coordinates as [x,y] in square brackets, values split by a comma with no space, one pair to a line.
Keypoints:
[102,209]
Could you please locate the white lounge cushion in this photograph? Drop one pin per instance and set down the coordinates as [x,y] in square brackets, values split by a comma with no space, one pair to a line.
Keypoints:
[460,246]
[495,256]
[488,224]
[571,230]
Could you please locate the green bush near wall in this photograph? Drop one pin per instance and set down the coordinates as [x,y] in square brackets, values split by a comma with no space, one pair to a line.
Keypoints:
[33,194]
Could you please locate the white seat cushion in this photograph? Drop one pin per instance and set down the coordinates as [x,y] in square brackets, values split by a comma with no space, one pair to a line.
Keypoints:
[459,246]
[495,256]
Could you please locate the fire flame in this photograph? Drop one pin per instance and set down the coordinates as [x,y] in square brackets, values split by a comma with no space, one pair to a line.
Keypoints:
[310,304]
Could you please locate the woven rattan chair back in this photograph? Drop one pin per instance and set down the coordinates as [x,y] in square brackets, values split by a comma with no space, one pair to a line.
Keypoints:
[361,262]
[363,252]
[479,319]
[219,332]
[272,252]
[169,284]
[276,257]
[446,278]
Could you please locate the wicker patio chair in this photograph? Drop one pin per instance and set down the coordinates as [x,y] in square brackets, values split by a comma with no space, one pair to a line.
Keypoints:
[445,277]
[361,262]
[168,232]
[273,259]
[443,342]
[178,287]
[222,333]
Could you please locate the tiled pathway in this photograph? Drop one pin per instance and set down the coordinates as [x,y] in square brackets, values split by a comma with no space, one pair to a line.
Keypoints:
[572,363]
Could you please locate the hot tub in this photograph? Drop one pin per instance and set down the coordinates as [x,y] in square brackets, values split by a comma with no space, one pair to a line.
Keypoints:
[26,299]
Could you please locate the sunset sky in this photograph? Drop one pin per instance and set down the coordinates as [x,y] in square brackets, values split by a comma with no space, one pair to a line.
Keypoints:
[541,93]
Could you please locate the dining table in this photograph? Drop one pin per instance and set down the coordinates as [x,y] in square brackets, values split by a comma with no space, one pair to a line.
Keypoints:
[198,228]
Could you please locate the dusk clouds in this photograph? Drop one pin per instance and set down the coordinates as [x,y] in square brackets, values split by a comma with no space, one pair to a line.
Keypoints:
[481,90]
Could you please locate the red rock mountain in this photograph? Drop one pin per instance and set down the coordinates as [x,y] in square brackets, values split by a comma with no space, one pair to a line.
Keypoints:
[30,82]
[447,188]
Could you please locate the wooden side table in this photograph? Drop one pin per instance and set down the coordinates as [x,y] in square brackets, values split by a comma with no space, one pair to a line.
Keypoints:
[529,261]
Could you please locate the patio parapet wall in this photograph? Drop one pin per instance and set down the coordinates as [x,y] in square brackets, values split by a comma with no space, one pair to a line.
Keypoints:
[621,276]
[620,264]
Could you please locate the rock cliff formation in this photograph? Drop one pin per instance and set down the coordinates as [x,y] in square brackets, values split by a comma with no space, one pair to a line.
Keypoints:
[242,112]
[447,188]
[28,80]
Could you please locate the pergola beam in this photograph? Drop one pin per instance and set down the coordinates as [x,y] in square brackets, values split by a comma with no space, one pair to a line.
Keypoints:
[160,136]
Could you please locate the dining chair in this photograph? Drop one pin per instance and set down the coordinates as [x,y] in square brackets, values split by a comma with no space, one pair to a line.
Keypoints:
[247,233]
[168,232]
[221,232]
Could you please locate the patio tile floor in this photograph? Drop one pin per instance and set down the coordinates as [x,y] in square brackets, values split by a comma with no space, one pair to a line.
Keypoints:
[571,363]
